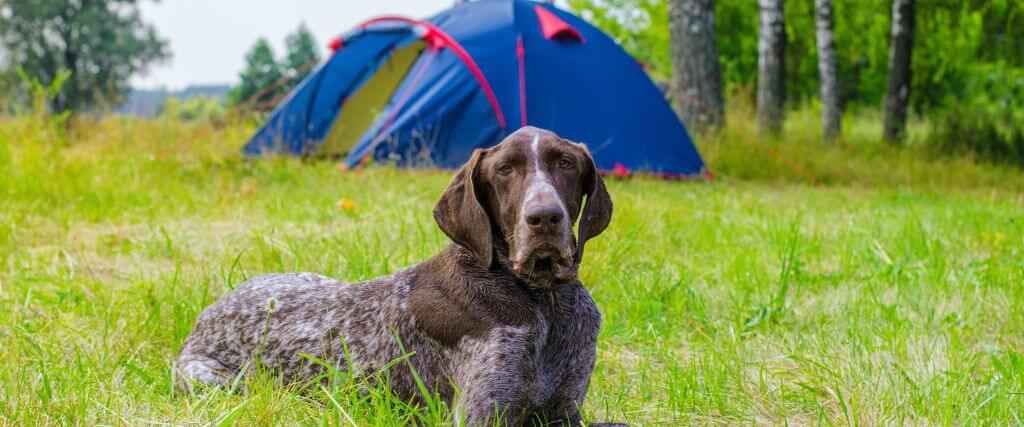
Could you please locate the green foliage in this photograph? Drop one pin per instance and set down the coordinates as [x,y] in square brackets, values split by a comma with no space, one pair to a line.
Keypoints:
[1003,37]
[263,70]
[640,26]
[51,127]
[301,49]
[989,126]
[260,72]
[737,50]
[975,129]
[890,295]
[199,108]
[100,44]
[952,36]
[859,159]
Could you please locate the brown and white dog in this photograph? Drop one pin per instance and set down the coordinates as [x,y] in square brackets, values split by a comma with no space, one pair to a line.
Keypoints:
[498,315]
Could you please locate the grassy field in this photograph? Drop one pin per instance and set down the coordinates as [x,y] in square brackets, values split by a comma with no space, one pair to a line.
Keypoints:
[890,293]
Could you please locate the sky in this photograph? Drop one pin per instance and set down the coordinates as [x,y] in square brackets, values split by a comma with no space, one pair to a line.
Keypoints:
[209,38]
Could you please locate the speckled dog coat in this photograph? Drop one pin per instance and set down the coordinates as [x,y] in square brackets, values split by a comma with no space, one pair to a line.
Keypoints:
[498,321]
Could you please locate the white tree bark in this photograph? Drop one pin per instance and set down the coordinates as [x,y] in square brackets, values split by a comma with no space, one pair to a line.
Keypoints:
[828,70]
[771,83]
[696,73]
[897,97]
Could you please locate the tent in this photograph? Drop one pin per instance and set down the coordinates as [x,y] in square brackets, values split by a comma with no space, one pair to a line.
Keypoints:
[428,92]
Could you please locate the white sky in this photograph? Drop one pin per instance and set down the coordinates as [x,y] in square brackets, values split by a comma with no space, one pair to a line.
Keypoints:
[209,38]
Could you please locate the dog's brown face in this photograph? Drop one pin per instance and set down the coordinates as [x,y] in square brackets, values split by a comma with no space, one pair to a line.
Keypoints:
[520,199]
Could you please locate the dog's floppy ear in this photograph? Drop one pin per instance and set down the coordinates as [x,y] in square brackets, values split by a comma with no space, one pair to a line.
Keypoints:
[598,211]
[460,214]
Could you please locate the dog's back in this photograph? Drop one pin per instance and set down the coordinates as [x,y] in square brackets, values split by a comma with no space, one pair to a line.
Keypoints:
[278,320]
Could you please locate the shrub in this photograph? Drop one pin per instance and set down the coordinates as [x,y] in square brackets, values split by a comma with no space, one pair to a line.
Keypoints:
[969,130]
[989,124]
[199,108]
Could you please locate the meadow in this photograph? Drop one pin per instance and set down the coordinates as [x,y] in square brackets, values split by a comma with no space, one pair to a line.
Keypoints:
[849,284]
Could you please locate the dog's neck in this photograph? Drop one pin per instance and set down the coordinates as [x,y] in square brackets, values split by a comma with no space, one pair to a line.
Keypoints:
[452,295]
[500,264]
[500,260]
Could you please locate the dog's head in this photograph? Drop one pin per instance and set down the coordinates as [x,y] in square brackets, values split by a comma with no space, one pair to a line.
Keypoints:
[520,199]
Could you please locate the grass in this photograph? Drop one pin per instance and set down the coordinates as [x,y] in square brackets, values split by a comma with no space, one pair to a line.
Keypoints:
[889,293]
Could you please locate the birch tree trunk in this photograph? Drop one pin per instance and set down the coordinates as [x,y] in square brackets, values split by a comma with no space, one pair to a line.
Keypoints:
[771,50]
[897,97]
[828,70]
[696,87]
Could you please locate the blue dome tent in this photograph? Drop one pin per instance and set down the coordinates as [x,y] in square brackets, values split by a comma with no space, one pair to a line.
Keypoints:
[427,93]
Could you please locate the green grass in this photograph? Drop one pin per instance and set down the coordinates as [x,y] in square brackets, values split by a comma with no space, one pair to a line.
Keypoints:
[892,292]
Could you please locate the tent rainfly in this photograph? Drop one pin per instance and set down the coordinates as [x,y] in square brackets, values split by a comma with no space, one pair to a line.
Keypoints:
[429,92]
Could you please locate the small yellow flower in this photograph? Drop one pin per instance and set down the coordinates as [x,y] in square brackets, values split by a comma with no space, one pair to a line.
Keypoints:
[345,204]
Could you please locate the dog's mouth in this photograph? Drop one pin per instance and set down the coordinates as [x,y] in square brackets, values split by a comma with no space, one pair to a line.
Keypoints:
[546,264]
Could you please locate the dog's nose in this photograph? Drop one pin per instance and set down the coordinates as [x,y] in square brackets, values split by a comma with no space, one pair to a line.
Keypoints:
[544,217]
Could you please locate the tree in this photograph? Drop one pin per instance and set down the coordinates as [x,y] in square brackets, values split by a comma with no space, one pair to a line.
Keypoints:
[696,75]
[771,66]
[301,52]
[967,41]
[261,71]
[643,34]
[897,96]
[828,70]
[100,44]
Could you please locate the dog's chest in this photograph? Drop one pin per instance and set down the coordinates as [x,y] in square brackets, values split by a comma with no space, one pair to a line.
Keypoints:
[552,363]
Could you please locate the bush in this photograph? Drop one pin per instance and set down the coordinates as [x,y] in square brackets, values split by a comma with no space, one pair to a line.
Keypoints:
[968,130]
[199,108]
[990,124]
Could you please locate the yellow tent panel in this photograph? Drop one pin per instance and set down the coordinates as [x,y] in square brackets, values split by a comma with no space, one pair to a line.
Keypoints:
[361,110]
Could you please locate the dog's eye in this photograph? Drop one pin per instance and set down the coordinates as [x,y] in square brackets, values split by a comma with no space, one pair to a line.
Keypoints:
[566,163]
[505,169]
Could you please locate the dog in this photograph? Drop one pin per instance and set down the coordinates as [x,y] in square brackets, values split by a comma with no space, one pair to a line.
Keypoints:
[498,322]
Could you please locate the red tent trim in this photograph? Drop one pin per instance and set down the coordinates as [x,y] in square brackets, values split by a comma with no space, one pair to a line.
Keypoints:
[439,39]
[552,26]
[521,56]
[335,44]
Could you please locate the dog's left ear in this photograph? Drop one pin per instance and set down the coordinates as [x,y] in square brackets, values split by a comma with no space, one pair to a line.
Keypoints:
[598,211]
[460,214]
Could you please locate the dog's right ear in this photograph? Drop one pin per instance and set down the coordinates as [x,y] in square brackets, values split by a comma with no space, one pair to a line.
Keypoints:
[460,214]
[598,212]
